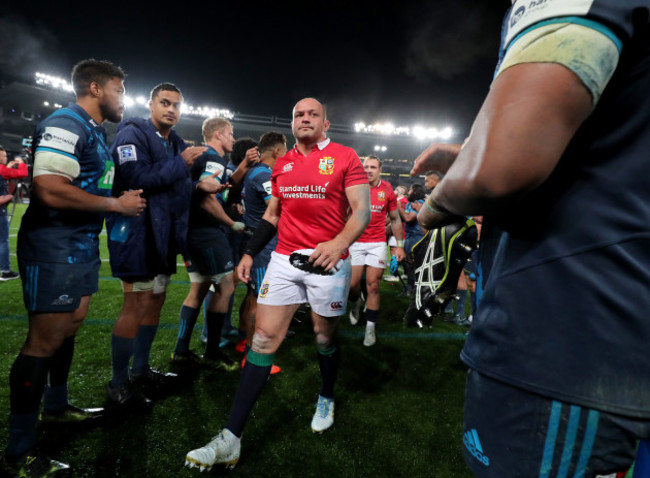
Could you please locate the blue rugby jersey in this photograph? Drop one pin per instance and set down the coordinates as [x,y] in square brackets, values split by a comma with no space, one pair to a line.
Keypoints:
[256,191]
[68,236]
[564,311]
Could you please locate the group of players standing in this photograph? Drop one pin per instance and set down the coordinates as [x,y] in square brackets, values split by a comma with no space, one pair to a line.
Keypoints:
[558,380]
[305,208]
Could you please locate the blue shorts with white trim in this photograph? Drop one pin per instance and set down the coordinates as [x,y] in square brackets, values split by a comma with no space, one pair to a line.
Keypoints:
[510,432]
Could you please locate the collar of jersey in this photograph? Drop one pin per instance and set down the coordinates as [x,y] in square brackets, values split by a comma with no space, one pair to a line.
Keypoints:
[84,115]
[321,146]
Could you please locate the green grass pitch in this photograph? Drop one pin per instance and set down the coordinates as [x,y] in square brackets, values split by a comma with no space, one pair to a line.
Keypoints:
[398,409]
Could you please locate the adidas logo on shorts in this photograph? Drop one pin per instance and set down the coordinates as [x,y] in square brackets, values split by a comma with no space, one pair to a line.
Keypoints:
[473,445]
[63,300]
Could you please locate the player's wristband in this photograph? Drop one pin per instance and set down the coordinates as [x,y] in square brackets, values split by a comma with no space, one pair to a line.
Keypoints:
[263,234]
[400,243]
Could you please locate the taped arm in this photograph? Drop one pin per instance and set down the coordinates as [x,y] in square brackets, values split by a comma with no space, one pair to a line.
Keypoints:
[535,106]
[52,184]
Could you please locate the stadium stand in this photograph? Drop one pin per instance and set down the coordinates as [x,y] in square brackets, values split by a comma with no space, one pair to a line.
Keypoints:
[23,105]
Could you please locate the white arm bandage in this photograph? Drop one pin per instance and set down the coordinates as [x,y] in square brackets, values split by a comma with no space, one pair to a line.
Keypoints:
[590,54]
[48,162]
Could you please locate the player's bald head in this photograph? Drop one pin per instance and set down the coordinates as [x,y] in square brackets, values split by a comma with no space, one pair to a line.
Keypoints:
[310,103]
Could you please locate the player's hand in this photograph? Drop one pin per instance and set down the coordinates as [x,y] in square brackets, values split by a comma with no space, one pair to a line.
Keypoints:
[416,206]
[131,204]
[211,185]
[400,255]
[244,268]
[438,156]
[238,226]
[252,156]
[190,154]
[327,254]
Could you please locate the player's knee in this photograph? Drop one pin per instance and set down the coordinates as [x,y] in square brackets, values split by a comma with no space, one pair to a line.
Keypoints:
[263,343]
[323,341]
[372,287]
[43,345]
[227,287]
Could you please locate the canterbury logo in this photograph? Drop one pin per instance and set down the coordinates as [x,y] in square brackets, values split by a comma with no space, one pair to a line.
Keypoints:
[473,445]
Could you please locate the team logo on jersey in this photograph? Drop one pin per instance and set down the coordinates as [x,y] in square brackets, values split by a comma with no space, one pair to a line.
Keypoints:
[287,167]
[106,181]
[126,153]
[326,165]
[264,290]
[338,305]
[381,195]
[267,187]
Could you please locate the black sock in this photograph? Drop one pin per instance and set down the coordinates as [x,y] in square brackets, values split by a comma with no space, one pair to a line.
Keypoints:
[372,315]
[26,383]
[55,395]
[60,364]
[186,326]
[328,360]
[215,322]
[253,378]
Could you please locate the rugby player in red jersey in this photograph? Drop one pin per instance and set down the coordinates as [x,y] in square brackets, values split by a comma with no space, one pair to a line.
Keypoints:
[369,251]
[320,204]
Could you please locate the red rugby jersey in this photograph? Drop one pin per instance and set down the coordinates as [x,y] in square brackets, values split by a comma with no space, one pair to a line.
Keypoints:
[311,190]
[382,200]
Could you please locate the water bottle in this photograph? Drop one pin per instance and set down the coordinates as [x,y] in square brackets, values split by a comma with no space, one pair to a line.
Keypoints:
[120,230]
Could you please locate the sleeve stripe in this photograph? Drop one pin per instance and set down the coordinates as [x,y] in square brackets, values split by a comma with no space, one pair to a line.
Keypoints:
[578,21]
[56,151]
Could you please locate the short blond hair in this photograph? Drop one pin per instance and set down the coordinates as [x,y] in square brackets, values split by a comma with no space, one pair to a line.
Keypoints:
[212,125]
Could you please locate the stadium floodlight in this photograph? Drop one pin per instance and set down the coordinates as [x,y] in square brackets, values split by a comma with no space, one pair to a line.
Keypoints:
[128,101]
[418,132]
[432,133]
[382,148]
[206,111]
[385,128]
[141,100]
[447,133]
[53,81]
[46,103]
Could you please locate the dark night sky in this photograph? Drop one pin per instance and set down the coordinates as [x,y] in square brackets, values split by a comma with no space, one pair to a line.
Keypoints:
[416,61]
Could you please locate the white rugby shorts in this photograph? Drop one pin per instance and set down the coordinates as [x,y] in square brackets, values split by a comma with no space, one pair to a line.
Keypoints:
[284,284]
[371,254]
